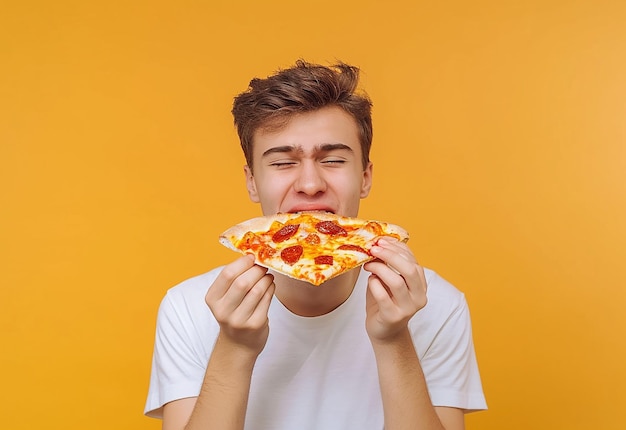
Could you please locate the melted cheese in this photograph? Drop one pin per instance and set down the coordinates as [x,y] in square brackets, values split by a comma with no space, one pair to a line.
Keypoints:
[268,252]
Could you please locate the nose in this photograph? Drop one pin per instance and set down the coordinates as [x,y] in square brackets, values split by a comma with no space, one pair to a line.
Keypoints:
[310,180]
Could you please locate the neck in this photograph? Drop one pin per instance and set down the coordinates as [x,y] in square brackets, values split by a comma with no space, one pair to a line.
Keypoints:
[307,300]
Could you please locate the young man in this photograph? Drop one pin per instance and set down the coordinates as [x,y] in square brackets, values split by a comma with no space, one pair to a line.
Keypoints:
[388,345]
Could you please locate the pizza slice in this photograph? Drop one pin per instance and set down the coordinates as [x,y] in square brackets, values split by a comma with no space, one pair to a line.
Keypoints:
[309,246]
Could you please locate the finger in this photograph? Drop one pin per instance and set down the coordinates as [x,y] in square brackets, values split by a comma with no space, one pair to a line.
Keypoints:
[394,253]
[260,312]
[400,260]
[407,291]
[226,277]
[241,286]
[253,300]
[395,282]
[381,294]
[378,290]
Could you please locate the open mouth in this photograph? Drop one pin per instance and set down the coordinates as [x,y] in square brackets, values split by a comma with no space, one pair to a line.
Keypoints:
[312,209]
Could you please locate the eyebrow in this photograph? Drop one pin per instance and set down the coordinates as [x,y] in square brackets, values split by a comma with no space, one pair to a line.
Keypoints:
[325,147]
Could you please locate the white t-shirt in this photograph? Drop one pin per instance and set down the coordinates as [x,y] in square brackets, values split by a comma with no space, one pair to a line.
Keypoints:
[319,372]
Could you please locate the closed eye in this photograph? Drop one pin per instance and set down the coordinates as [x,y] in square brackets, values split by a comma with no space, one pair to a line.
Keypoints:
[333,161]
[282,164]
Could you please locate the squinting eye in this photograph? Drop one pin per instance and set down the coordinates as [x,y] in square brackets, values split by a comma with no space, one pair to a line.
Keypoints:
[334,161]
[282,164]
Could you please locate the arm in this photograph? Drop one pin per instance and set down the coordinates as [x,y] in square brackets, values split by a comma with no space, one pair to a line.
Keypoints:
[239,299]
[396,291]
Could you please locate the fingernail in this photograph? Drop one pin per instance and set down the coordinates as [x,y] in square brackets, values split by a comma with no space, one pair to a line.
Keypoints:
[389,239]
[383,241]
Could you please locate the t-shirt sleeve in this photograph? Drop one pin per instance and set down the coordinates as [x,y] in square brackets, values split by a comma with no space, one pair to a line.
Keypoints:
[179,358]
[449,363]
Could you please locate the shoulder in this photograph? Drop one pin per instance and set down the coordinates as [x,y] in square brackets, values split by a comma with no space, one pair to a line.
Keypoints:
[187,299]
[192,287]
[440,290]
[444,300]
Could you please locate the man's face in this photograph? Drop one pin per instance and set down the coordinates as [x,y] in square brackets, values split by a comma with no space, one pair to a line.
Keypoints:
[314,163]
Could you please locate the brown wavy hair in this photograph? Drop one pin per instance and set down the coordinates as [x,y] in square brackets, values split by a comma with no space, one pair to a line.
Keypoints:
[268,104]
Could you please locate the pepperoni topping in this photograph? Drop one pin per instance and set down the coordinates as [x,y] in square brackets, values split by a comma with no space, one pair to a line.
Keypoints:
[313,239]
[249,241]
[285,233]
[324,259]
[329,227]
[266,252]
[291,254]
[375,228]
[349,247]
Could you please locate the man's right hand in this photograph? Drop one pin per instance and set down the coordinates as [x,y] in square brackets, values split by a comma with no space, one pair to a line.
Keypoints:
[239,299]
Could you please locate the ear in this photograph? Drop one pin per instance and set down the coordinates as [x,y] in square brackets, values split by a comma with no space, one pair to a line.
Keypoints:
[251,184]
[366,185]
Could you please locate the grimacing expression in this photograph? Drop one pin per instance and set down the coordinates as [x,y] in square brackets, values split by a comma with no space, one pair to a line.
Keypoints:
[313,163]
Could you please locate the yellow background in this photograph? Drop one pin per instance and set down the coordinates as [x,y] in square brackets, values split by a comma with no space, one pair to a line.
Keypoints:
[500,144]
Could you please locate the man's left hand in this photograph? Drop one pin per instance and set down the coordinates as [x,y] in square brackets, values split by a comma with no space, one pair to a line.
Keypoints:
[396,289]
